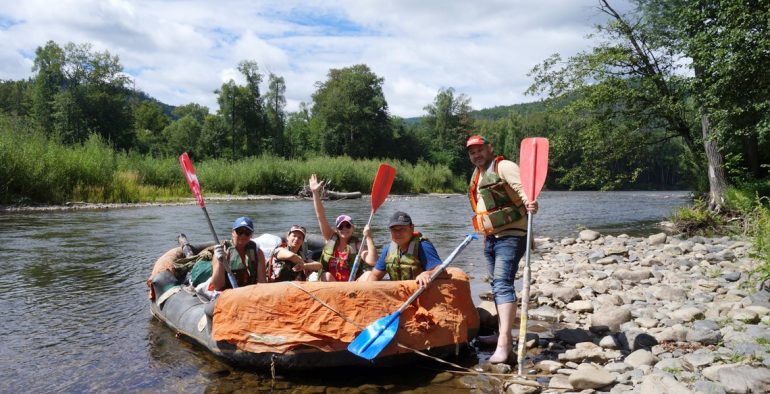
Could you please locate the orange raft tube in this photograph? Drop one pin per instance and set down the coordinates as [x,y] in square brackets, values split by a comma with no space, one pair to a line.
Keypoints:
[303,325]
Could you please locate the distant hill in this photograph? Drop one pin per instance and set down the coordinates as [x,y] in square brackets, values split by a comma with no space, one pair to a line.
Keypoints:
[167,109]
[494,113]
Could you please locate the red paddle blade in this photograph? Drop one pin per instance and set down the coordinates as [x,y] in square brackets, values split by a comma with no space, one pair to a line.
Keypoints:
[382,183]
[192,179]
[533,164]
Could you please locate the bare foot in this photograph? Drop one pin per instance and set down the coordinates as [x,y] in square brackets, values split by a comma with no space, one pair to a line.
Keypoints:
[501,355]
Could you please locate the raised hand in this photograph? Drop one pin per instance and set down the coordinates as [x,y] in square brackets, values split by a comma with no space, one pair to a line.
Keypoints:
[315,186]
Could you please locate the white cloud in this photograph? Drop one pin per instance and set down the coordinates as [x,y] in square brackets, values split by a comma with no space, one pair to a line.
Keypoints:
[181,51]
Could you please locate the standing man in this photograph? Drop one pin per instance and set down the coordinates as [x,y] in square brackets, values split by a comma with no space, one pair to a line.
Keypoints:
[500,207]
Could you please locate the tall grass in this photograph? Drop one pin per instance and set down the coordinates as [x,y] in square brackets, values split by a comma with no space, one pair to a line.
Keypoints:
[38,169]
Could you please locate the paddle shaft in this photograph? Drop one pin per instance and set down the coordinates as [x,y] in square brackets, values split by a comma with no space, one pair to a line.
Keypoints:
[525,298]
[437,272]
[353,271]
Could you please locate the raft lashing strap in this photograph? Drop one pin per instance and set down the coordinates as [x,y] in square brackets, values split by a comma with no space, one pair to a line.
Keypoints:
[418,352]
[167,294]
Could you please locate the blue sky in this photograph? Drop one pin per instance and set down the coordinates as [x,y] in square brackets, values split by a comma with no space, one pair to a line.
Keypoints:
[181,51]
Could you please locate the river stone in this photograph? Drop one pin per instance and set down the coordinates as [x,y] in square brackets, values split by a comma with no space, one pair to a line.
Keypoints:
[549,366]
[589,235]
[610,316]
[744,379]
[567,241]
[697,360]
[640,357]
[672,250]
[635,275]
[669,364]
[565,294]
[706,387]
[616,250]
[618,367]
[686,313]
[608,342]
[646,322]
[589,376]
[731,276]
[546,313]
[514,388]
[657,239]
[669,293]
[706,337]
[662,384]
[560,382]
[573,336]
[581,306]
[744,315]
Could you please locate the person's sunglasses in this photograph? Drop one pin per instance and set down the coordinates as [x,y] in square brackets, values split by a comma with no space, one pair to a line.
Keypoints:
[344,226]
[243,231]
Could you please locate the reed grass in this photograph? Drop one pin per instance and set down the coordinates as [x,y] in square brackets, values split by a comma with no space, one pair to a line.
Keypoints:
[35,168]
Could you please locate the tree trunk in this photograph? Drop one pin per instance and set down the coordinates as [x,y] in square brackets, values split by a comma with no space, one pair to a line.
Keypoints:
[717,177]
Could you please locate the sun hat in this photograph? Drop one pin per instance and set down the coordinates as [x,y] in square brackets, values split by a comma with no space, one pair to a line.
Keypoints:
[243,221]
[342,219]
[476,140]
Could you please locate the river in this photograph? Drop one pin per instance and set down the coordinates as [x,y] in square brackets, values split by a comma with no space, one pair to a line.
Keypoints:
[75,311]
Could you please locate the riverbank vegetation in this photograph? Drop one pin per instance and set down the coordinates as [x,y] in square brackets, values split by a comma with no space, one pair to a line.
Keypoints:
[36,168]
[746,213]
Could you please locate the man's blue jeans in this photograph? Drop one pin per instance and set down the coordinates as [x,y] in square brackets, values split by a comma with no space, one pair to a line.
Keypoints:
[503,255]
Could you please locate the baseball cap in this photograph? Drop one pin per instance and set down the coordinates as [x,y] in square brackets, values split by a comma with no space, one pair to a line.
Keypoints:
[342,219]
[243,221]
[476,140]
[297,227]
[400,219]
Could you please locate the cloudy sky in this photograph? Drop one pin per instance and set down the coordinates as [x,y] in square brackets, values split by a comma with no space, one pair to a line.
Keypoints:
[181,51]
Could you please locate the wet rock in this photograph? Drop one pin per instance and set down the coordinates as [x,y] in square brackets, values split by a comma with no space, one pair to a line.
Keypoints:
[640,357]
[588,352]
[590,376]
[442,377]
[545,313]
[480,383]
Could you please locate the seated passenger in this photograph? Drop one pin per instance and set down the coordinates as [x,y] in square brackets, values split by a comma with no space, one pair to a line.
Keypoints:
[409,256]
[286,262]
[239,254]
[342,246]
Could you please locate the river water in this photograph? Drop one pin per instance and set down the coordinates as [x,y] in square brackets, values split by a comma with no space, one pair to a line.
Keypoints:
[75,313]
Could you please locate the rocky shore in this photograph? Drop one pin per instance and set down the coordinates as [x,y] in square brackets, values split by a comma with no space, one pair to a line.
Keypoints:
[648,315]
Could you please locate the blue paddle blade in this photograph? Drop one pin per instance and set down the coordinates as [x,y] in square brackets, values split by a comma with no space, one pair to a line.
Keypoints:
[370,342]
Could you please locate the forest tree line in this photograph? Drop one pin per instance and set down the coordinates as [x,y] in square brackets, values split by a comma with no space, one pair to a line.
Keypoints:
[672,92]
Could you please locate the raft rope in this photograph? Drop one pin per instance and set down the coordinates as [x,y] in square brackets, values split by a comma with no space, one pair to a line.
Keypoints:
[465,370]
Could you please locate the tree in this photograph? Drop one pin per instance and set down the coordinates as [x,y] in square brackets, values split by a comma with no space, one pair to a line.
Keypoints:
[299,137]
[447,125]
[83,92]
[242,107]
[275,111]
[182,136]
[632,93]
[350,113]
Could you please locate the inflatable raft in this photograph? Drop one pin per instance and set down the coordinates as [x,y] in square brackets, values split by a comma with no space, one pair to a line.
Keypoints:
[307,325]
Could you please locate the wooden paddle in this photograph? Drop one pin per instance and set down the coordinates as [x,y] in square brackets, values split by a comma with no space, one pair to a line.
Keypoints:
[192,181]
[380,190]
[370,342]
[533,166]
